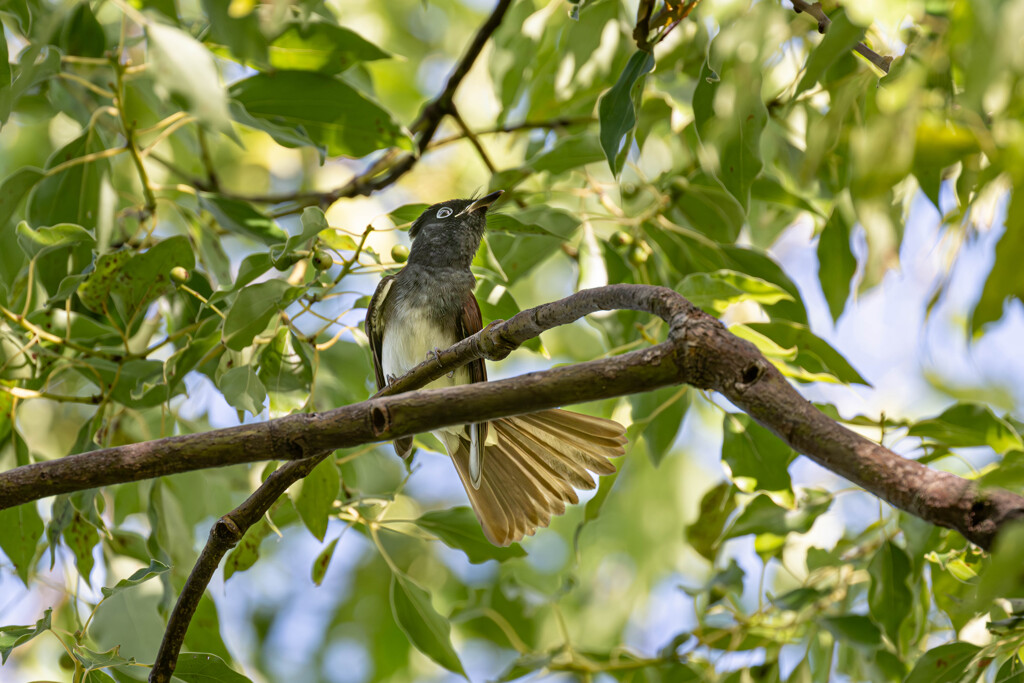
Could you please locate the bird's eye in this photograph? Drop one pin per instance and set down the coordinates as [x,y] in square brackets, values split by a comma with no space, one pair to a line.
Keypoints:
[444,212]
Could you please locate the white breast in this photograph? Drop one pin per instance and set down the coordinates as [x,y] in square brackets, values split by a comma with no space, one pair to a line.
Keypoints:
[407,340]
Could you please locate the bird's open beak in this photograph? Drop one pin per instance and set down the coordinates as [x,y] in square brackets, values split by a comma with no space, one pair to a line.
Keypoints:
[482,203]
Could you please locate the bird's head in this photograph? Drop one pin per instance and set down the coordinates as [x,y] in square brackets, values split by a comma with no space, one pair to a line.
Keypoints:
[448,234]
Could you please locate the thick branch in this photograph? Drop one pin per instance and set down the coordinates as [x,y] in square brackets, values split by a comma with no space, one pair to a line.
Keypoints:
[698,351]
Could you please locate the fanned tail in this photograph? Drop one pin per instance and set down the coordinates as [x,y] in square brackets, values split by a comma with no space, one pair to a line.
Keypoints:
[531,472]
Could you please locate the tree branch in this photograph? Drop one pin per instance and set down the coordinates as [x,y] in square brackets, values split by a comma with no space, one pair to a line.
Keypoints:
[224,535]
[699,351]
[815,10]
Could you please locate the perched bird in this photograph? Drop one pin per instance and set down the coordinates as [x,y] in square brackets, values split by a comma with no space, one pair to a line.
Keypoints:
[518,471]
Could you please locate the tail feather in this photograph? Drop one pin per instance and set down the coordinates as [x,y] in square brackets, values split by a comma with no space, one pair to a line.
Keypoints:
[590,454]
[531,472]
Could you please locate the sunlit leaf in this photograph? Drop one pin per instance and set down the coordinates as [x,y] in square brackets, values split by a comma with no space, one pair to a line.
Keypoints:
[617,109]
[965,425]
[330,112]
[185,68]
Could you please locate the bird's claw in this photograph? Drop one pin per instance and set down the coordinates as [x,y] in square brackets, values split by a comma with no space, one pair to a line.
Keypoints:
[436,355]
[390,379]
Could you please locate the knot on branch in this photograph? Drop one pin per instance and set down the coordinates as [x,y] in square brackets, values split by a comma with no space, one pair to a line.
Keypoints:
[226,532]
[750,374]
[380,418]
[494,345]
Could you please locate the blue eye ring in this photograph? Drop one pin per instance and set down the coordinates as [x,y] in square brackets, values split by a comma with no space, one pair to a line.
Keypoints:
[444,212]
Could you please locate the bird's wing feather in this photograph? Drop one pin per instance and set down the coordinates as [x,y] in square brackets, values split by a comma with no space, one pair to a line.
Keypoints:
[375,333]
[375,327]
[470,322]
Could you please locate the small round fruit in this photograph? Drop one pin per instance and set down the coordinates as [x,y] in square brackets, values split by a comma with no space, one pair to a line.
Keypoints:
[179,275]
[638,255]
[400,253]
[322,260]
[622,239]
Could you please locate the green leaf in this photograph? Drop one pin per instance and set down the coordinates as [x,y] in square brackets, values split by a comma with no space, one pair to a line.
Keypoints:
[757,458]
[798,598]
[14,188]
[285,365]
[142,575]
[568,153]
[968,424]
[242,218]
[241,33]
[502,222]
[133,280]
[284,134]
[762,515]
[836,262]
[458,528]
[322,562]
[315,501]
[408,213]
[616,110]
[714,292]
[251,311]
[889,597]
[734,131]
[185,68]
[814,354]
[427,630]
[243,390]
[716,506]
[199,667]
[1002,578]
[839,40]
[947,663]
[92,660]
[44,240]
[71,195]
[330,112]
[320,46]
[854,629]
[1012,670]
[82,34]
[658,416]
[1008,473]
[20,531]
[81,537]
[13,636]
[702,203]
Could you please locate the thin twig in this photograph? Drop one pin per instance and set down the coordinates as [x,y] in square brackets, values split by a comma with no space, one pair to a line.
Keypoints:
[814,9]
[473,139]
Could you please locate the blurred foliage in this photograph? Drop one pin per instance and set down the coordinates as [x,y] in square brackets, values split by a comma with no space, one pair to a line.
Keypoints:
[175,255]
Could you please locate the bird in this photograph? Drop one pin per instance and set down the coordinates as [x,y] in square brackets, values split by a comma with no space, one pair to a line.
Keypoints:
[517,471]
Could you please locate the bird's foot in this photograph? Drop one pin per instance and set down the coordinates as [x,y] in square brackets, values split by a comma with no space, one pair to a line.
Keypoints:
[390,379]
[436,355]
